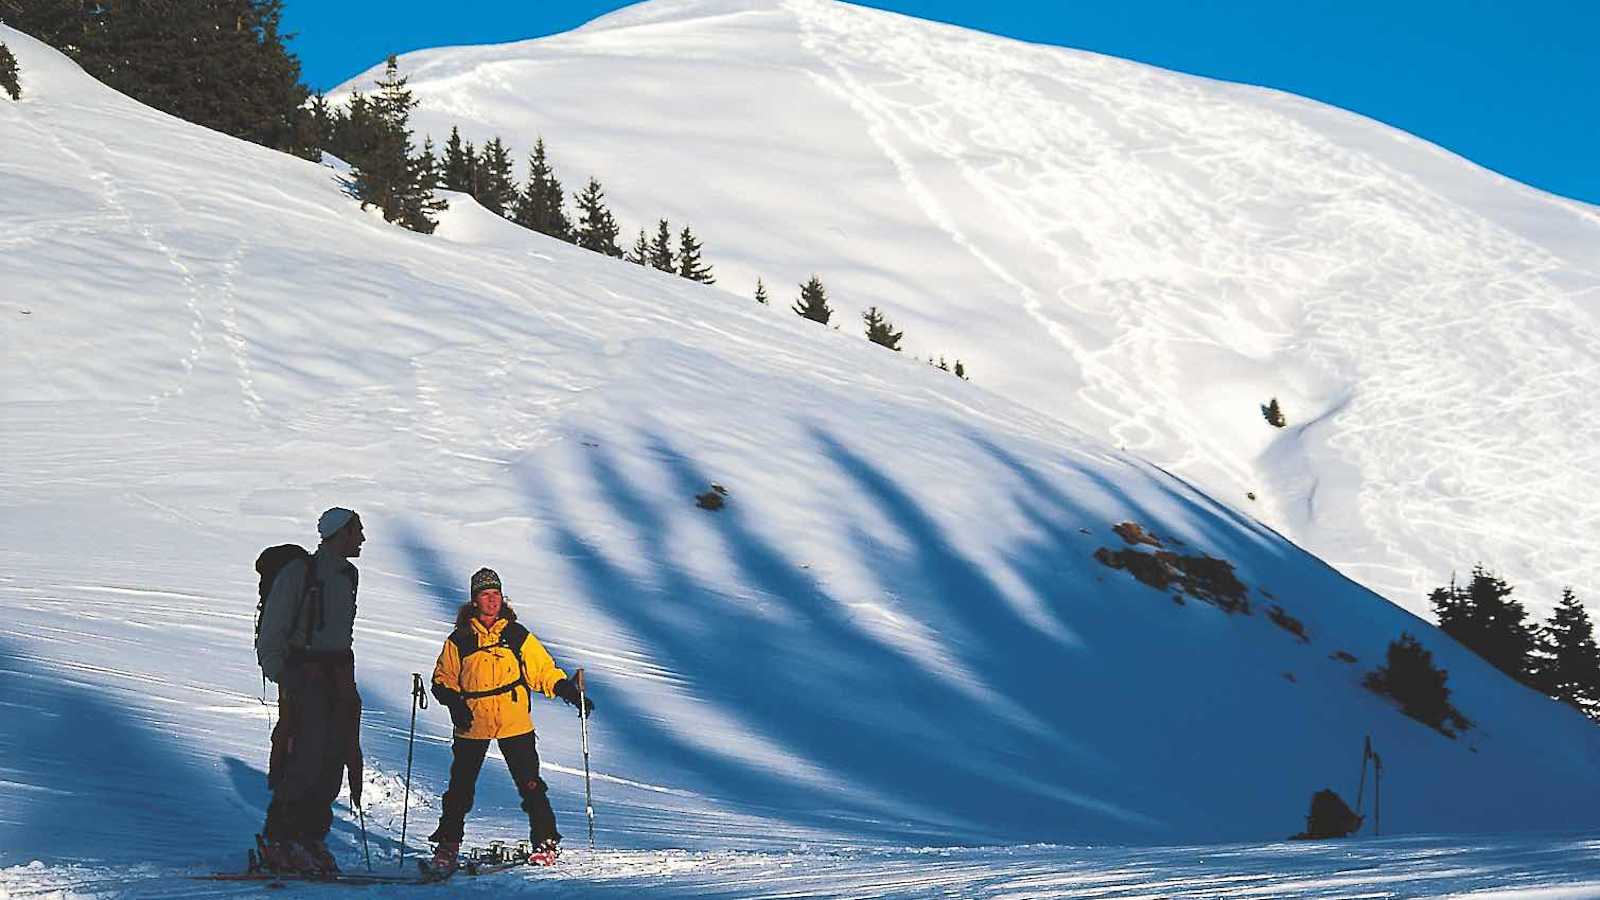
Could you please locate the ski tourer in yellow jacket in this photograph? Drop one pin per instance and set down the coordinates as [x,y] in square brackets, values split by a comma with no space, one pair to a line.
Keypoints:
[492,671]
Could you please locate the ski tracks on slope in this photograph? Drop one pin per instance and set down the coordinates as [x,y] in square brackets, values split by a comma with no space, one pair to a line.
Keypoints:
[1406,317]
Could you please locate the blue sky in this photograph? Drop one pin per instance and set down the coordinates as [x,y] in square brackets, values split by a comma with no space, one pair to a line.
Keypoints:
[1508,85]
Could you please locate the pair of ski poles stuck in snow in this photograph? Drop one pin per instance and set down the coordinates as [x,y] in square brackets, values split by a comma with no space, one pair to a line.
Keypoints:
[419,700]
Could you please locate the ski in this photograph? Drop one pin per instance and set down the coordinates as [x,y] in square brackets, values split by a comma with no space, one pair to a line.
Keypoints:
[497,857]
[336,878]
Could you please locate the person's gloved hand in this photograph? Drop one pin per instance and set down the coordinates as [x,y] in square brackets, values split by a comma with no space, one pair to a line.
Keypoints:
[460,714]
[568,691]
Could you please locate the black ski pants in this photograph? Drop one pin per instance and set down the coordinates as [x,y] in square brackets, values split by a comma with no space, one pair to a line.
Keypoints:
[303,795]
[522,758]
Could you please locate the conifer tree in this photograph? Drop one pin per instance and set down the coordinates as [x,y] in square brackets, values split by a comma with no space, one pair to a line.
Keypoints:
[418,202]
[961,371]
[640,254]
[8,73]
[813,302]
[880,330]
[495,188]
[1486,621]
[541,205]
[597,229]
[761,293]
[1566,659]
[1410,677]
[319,123]
[661,256]
[690,265]
[386,175]
[223,64]
[457,173]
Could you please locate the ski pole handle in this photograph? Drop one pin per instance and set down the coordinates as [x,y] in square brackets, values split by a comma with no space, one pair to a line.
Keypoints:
[418,695]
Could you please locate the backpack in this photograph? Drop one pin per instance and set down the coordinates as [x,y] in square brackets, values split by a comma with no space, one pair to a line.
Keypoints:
[268,565]
[512,638]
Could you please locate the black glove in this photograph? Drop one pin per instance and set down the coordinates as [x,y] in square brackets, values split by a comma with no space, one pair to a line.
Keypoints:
[460,712]
[568,691]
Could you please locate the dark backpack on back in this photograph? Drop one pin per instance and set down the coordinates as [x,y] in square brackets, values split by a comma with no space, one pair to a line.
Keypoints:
[268,565]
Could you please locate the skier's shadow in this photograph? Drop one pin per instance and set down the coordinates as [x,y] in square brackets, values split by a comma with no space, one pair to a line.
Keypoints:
[250,787]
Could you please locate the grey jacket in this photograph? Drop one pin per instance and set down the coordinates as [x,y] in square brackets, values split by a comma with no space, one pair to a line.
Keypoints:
[289,611]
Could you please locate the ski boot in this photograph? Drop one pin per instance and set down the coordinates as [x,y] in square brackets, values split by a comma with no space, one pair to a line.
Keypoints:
[284,857]
[446,857]
[545,852]
[321,857]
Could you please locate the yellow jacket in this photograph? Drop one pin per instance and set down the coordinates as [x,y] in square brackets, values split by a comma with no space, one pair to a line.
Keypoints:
[495,688]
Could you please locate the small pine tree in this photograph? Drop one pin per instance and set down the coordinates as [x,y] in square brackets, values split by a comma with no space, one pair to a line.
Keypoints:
[1566,663]
[689,264]
[880,330]
[1273,413]
[597,229]
[813,302]
[541,205]
[419,203]
[661,248]
[1410,677]
[319,124]
[495,189]
[1486,621]
[640,254]
[457,163]
[8,73]
[961,371]
[761,293]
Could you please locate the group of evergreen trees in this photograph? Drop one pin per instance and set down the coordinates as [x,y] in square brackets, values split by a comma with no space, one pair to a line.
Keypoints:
[8,73]
[1558,658]
[813,304]
[219,63]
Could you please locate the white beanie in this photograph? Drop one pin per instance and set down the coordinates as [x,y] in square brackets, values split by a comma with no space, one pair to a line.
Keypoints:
[333,520]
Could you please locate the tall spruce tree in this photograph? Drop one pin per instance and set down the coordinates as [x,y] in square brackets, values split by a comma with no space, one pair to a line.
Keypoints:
[640,254]
[386,175]
[761,294]
[8,73]
[496,188]
[1566,658]
[690,265]
[880,330]
[457,172]
[813,302]
[1484,618]
[597,229]
[661,248]
[541,204]
[418,202]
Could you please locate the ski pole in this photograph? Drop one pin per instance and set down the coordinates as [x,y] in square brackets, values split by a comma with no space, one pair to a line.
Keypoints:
[583,718]
[366,850]
[419,697]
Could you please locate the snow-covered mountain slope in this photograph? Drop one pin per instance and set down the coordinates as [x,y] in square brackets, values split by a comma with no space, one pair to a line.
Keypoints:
[895,632]
[1148,255]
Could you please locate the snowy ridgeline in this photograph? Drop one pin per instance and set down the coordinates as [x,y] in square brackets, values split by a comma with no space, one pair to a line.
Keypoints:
[1146,254]
[894,632]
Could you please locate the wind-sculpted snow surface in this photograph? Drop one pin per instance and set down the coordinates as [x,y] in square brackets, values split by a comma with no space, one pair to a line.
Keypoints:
[894,633]
[1146,254]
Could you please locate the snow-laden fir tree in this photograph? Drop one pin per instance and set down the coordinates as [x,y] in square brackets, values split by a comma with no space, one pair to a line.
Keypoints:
[661,247]
[880,330]
[1566,663]
[640,254]
[597,229]
[496,187]
[542,204]
[689,263]
[813,302]
[761,293]
[8,73]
